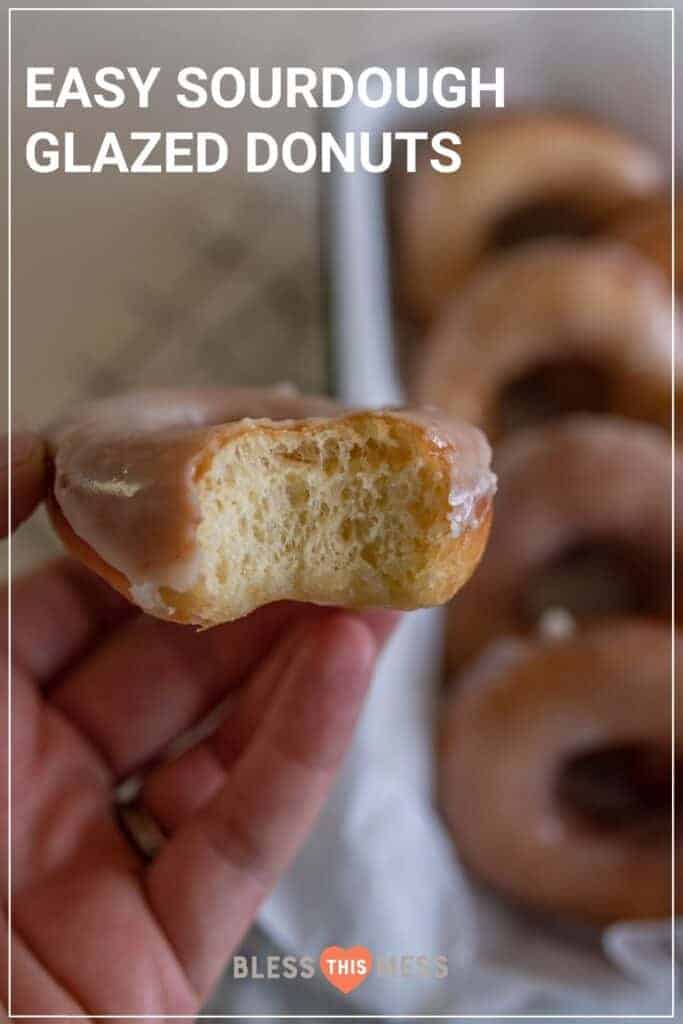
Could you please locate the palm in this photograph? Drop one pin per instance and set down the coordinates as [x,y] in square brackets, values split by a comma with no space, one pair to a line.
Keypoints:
[99,693]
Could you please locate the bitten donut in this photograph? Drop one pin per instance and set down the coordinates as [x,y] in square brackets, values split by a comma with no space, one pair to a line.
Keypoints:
[583,525]
[554,772]
[553,328]
[523,176]
[647,226]
[200,515]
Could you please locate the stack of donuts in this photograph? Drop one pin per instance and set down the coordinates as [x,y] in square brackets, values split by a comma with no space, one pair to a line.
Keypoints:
[538,284]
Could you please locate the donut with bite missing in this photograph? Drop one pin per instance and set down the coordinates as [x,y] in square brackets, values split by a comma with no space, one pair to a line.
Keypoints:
[202,506]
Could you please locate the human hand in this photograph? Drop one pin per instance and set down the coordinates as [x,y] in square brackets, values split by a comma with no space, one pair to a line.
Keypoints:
[99,692]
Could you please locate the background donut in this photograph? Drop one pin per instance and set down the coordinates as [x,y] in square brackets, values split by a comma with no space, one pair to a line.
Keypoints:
[555,773]
[552,328]
[524,175]
[583,523]
[647,226]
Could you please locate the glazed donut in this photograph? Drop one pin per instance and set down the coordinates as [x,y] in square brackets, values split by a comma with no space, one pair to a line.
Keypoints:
[199,514]
[553,328]
[647,226]
[554,773]
[526,175]
[583,523]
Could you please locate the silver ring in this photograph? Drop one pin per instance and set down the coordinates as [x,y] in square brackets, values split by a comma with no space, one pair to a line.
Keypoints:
[143,832]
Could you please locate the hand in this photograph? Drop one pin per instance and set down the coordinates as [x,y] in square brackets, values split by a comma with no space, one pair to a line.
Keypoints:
[99,691]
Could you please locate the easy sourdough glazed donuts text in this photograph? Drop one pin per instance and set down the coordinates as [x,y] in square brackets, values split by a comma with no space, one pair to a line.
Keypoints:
[200,512]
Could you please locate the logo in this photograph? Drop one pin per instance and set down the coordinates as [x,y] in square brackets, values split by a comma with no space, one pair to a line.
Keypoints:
[346,969]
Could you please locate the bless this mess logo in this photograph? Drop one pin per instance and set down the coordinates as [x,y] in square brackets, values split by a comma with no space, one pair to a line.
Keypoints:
[344,968]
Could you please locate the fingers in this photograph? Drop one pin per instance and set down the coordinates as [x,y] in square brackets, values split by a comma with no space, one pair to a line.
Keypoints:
[23,461]
[152,680]
[58,611]
[175,790]
[209,880]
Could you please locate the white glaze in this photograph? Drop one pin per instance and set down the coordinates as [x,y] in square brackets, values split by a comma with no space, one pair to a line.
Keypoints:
[124,472]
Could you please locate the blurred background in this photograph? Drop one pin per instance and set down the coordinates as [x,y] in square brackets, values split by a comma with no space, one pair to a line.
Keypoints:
[154,280]
[124,282]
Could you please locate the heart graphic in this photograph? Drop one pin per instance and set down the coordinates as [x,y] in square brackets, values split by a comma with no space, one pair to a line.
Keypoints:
[346,969]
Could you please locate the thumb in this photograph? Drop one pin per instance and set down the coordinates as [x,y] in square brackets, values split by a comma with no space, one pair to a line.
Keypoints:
[22,459]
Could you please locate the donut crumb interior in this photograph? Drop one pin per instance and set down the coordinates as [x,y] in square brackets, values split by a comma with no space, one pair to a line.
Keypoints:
[353,513]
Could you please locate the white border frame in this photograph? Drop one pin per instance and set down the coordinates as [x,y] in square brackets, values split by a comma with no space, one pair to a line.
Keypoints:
[336,10]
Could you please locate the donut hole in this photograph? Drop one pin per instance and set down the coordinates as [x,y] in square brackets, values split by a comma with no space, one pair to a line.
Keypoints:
[550,218]
[624,788]
[596,579]
[551,389]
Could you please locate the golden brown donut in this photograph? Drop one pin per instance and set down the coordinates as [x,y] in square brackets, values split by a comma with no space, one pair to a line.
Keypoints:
[200,514]
[552,328]
[583,526]
[647,226]
[555,772]
[525,175]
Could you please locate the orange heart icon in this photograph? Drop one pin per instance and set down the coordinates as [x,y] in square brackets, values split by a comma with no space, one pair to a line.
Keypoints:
[346,969]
